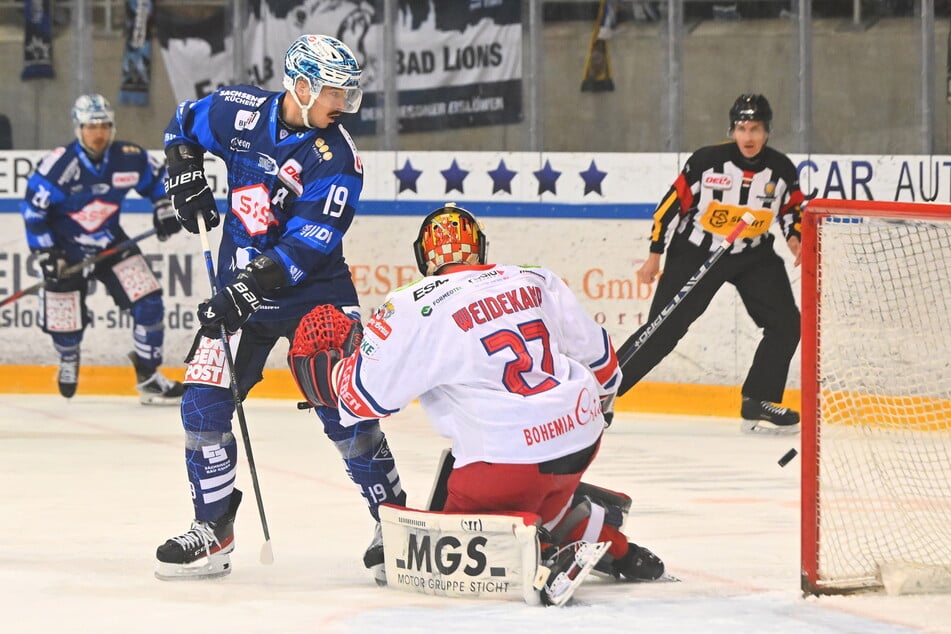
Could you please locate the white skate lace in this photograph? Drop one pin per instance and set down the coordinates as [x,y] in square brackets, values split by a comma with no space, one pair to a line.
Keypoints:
[68,371]
[157,383]
[201,534]
[772,409]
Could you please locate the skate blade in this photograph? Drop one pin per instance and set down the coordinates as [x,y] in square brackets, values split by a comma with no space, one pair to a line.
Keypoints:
[559,590]
[206,568]
[766,428]
[161,401]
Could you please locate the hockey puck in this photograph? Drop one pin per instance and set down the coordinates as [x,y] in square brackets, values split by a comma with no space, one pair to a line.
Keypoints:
[787,457]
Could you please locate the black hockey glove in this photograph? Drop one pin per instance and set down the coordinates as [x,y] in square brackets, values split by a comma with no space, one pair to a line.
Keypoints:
[164,219]
[231,306]
[51,261]
[188,189]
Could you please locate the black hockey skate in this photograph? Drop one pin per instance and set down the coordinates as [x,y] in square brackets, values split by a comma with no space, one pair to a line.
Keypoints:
[639,564]
[766,417]
[201,553]
[68,376]
[153,387]
[373,557]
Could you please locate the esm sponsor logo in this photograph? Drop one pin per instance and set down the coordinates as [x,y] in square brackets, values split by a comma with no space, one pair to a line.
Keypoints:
[447,554]
[427,289]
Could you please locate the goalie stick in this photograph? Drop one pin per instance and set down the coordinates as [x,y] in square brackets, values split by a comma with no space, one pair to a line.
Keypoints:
[626,353]
[79,266]
[267,554]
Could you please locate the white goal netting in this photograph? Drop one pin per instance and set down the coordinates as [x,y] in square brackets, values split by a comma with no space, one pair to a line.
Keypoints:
[882,492]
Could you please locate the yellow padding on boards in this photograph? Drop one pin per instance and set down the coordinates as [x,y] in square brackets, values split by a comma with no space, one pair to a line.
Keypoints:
[665,398]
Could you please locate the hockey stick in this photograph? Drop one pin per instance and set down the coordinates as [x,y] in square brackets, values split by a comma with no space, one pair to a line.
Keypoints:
[267,554]
[625,356]
[79,266]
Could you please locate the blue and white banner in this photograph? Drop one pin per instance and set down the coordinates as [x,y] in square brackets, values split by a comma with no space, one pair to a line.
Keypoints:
[585,216]
[458,62]
[37,40]
[137,59]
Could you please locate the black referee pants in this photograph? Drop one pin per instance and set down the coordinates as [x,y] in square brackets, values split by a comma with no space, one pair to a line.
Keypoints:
[759,275]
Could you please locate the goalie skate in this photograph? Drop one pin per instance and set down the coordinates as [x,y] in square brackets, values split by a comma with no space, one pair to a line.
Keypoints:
[203,552]
[568,568]
[639,564]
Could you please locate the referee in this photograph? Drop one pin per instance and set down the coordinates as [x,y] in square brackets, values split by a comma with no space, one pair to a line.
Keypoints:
[718,184]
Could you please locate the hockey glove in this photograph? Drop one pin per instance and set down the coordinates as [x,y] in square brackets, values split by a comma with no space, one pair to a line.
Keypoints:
[323,338]
[51,261]
[231,306]
[164,220]
[189,191]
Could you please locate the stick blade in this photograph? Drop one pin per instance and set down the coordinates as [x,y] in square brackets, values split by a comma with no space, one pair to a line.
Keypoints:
[267,554]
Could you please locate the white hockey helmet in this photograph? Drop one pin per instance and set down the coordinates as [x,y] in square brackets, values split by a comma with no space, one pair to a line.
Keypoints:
[449,235]
[90,109]
[322,60]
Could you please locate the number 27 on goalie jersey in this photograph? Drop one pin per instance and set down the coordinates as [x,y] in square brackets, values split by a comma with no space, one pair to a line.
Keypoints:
[504,360]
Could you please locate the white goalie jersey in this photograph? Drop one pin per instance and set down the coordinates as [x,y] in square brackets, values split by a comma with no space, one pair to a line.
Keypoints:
[505,361]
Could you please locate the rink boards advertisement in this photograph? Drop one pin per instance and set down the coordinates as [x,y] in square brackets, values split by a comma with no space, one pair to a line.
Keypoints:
[585,216]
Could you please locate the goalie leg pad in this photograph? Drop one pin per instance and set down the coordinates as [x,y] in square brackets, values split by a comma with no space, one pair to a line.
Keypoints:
[462,555]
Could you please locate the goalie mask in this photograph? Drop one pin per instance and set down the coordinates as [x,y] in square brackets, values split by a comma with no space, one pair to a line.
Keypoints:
[751,108]
[449,235]
[94,111]
[321,60]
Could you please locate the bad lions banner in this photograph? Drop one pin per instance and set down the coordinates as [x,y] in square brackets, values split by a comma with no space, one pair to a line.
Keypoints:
[458,62]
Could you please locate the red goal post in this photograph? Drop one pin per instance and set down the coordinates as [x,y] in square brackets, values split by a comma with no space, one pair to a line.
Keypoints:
[876,397]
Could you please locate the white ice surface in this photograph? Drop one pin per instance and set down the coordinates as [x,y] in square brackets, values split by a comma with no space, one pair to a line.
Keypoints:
[89,488]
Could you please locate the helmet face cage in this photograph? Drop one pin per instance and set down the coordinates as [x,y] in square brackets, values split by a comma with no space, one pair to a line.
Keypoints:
[449,235]
[93,109]
[751,108]
[322,60]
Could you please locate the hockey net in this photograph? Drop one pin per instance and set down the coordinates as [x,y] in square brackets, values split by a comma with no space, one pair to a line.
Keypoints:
[876,388]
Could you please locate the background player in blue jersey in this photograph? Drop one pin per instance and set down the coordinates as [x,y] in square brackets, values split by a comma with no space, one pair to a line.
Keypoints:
[294,179]
[71,210]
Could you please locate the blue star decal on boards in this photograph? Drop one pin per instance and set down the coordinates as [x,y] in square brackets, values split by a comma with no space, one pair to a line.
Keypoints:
[502,178]
[592,179]
[407,176]
[454,177]
[546,178]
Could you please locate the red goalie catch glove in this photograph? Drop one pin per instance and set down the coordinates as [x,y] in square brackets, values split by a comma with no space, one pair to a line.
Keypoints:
[324,337]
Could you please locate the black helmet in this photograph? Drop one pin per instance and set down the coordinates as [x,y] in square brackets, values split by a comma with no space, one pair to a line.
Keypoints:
[751,108]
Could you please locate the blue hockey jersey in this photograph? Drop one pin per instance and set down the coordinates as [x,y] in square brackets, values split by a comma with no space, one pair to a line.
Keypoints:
[291,195]
[74,204]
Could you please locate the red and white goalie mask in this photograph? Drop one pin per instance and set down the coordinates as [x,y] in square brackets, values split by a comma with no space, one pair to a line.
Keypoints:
[449,235]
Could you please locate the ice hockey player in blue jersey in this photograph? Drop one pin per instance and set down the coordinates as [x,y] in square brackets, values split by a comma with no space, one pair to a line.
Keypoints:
[71,210]
[294,180]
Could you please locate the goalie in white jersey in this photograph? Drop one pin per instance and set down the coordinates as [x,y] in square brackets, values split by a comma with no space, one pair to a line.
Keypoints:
[508,366]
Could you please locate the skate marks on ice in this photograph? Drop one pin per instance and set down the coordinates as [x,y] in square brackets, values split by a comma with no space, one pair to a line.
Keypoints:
[94,484]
